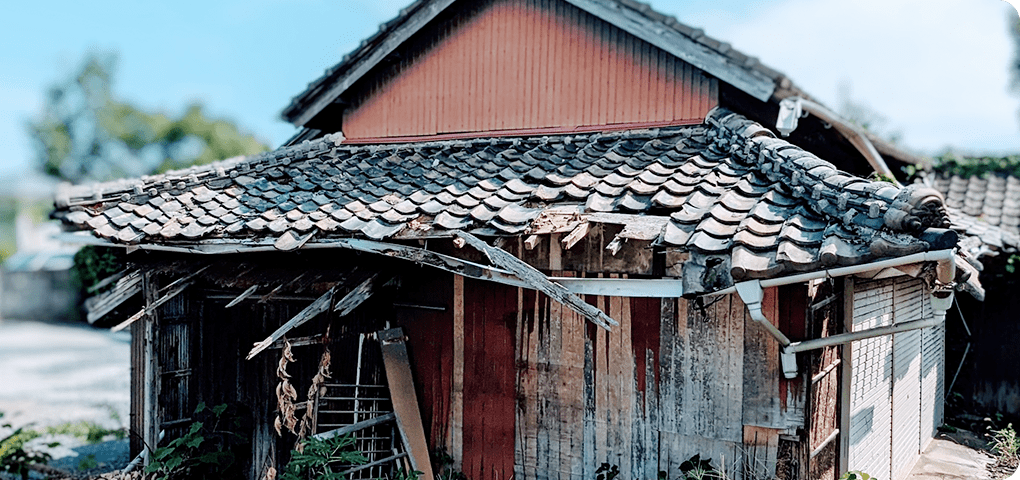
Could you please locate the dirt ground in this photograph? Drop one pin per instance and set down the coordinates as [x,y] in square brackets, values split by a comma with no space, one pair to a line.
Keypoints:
[57,373]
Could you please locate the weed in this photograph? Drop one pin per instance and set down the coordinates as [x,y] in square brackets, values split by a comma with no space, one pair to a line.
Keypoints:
[315,457]
[444,466]
[90,432]
[88,463]
[855,475]
[607,472]
[14,458]
[203,451]
[1006,445]
[697,468]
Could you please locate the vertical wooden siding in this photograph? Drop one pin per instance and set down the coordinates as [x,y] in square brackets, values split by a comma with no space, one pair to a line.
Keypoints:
[490,312]
[516,65]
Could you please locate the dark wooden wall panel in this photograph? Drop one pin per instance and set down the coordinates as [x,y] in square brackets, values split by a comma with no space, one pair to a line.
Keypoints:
[490,314]
[430,343]
[517,65]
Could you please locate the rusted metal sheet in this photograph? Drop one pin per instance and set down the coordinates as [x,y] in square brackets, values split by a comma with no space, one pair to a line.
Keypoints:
[520,65]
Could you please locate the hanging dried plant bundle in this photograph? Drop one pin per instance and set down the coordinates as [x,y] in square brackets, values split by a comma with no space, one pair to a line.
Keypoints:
[315,390]
[286,394]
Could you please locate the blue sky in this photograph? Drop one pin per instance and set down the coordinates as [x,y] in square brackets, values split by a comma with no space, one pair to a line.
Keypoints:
[936,69]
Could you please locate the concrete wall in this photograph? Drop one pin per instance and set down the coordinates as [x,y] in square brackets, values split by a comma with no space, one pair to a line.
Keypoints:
[39,295]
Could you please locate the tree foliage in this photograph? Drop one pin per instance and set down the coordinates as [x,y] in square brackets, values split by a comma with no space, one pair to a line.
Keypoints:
[86,133]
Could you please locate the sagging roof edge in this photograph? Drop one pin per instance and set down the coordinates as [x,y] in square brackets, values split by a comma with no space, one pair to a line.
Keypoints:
[686,43]
[656,288]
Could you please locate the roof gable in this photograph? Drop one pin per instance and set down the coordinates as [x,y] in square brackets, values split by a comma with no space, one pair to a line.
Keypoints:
[639,20]
[513,66]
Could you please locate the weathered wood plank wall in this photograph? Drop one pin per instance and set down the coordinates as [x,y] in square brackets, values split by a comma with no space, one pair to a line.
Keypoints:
[546,395]
[513,65]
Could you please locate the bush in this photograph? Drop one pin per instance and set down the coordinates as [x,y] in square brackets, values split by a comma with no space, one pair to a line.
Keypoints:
[208,449]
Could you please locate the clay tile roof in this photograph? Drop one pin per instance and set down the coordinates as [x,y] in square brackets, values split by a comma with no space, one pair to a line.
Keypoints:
[727,191]
[982,197]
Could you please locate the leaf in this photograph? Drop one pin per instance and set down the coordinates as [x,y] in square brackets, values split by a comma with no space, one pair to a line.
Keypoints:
[200,407]
[219,409]
[195,427]
[195,441]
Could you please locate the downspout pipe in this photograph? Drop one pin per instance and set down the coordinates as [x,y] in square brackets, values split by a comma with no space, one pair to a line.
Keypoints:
[792,108]
[752,292]
[937,319]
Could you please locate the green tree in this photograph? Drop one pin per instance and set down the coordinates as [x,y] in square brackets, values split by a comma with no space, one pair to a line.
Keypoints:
[85,133]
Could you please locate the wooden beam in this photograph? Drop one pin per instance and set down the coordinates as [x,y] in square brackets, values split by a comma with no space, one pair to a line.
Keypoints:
[245,294]
[357,296]
[575,235]
[538,281]
[346,305]
[320,305]
[405,402]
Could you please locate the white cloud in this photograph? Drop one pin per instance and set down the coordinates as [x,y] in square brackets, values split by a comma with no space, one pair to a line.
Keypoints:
[938,69]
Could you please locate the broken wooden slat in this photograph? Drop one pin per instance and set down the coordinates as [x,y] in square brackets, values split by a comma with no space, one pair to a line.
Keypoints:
[172,290]
[433,259]
[356,297]
[108,280]
[104,303]
[346,305]
[245,294]
[614,246]
[126,323]
[404,400]
[318,306]
[575,235]
[356,426]
[531,242]
[299,342]
[538,281]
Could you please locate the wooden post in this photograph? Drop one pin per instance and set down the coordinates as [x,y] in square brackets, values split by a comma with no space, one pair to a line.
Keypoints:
[405,401]
[456,430]
[150,367]
[846,376]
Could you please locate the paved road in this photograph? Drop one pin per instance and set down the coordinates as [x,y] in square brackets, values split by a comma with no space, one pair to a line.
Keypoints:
[52,373]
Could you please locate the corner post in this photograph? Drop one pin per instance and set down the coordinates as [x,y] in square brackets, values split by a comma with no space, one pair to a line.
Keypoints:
[150,369]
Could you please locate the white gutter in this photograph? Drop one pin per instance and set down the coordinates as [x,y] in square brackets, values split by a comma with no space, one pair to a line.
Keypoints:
[792,108]
[940,256]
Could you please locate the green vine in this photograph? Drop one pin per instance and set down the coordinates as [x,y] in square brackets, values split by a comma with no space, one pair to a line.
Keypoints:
[951,164]
[93,264]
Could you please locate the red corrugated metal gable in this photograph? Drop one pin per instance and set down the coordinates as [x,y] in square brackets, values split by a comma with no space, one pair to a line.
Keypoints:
[512,65]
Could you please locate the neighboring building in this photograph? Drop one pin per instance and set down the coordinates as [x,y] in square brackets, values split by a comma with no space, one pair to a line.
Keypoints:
[660,275]
[37,282]
[983,199]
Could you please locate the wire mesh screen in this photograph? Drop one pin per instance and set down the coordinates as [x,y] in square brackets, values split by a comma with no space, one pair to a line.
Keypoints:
[360,403]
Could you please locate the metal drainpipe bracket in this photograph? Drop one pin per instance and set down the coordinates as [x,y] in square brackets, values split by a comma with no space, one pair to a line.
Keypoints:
[941,300]
[789,363]
[752,294]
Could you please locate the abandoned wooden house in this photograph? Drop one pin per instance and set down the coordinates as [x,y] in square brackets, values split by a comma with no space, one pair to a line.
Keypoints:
[535,237]
[983,200]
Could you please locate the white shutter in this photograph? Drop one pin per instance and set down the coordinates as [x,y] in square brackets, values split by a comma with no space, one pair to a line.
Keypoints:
[933,378]
[908,299]
[870,408]
[898,381]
